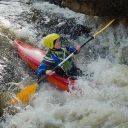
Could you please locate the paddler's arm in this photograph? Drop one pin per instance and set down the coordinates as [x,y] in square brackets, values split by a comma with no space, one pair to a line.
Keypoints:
[41,70]
[43,67]
[72,49]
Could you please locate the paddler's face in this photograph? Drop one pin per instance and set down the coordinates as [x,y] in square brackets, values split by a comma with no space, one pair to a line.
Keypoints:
[57,44]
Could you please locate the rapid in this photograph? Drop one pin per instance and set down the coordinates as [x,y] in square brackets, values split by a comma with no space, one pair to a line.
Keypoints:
[101,100]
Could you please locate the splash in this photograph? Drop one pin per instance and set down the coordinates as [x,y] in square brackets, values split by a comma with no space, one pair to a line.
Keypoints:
[102,101]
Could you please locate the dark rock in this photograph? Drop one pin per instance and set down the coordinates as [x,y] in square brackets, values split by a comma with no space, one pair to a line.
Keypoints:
[56,2]
[4,100]
[102,8]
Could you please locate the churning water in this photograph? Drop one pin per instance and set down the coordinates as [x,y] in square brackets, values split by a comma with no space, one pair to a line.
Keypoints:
[103,99]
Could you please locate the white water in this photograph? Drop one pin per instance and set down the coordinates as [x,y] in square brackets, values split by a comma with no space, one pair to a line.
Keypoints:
[101,103]
[9,13]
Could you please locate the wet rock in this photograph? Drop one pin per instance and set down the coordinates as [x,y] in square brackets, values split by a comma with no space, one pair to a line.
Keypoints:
[4,98]
[5,106]
[102,8]
[56,2]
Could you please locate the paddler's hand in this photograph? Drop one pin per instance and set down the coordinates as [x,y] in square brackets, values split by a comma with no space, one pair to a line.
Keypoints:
[49,72]
[78,48]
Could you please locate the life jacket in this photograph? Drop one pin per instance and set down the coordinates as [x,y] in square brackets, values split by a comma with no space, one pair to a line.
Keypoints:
[62,54]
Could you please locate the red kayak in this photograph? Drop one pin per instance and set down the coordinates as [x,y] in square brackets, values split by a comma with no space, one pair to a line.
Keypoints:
[33,56]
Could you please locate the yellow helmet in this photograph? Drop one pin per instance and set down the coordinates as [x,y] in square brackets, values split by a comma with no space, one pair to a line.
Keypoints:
[48,41]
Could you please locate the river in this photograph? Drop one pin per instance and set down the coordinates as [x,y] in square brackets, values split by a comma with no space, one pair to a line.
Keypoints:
[103,99]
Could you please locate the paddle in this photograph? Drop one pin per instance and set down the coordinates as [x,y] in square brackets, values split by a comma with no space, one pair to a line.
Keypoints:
[24,95]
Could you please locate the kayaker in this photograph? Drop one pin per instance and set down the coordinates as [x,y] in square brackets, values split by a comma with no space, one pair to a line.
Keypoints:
[55,55]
